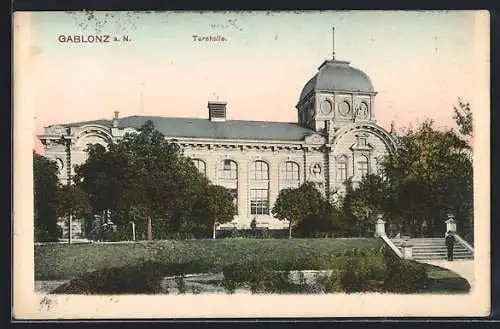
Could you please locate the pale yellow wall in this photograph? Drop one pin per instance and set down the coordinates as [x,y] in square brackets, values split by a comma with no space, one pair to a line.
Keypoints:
[244,153]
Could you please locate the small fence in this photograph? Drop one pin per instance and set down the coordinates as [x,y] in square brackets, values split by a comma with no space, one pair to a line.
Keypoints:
[259,233]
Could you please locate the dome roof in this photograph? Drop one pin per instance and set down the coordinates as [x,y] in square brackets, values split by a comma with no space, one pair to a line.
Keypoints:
[336,75]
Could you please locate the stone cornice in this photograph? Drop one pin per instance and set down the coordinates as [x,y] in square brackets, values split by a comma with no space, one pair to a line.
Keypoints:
[231,141]
[237,144]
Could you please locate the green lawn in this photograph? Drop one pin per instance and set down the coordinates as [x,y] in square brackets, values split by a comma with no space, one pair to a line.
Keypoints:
[59,261]
[441,280]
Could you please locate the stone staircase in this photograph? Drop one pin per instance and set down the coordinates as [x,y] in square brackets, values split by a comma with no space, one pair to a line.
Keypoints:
[434,249]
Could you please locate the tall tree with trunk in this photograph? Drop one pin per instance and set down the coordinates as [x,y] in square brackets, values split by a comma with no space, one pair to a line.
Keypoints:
[297,204]
[362,202]
[215,206]
[72,201]
[428,177]
[143,174]
[45,187]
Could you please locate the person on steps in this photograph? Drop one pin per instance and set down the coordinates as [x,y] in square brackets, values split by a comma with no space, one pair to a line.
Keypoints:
[450,242]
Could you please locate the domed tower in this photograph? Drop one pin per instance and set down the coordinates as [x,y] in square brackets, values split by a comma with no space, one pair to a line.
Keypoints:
[337,102]
[338,94]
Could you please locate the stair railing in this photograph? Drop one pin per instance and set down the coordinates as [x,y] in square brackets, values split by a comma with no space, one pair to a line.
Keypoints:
[464,243]
[391,245]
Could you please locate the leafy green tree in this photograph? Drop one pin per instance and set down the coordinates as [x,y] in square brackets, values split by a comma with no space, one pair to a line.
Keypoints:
[463,117]
[104,177]
[143,178]
[45,190]
[215,206]
[428,177]
[71,201]
[362,202]
[298,204]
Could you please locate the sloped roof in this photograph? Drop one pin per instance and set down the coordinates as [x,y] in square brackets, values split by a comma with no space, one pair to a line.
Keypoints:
[204,128]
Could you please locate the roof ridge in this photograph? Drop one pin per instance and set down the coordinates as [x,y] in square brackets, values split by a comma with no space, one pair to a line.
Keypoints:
[206,119]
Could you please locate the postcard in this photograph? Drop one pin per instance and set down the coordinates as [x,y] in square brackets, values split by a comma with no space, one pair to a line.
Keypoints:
[251,164]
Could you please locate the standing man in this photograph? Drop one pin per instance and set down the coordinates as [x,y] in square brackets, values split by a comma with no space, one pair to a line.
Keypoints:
[450,242]
[253,226]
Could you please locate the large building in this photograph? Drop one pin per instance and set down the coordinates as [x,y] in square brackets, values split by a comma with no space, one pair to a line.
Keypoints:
[335,137]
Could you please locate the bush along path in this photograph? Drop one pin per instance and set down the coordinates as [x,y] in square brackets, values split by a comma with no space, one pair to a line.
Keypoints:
[354,271]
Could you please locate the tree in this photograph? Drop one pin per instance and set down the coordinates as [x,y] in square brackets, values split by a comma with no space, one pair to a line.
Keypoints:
[463,117]
[297,204]
[45,190]
[429,176]
[361,203]
[145,175]
[216,206]
[72,201]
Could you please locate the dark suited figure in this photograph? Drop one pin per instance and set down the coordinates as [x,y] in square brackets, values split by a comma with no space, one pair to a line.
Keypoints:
[253,226]
[450,242]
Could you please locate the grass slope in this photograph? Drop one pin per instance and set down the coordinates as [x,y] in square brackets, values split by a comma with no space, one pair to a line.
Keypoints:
[441,280]
[56,261]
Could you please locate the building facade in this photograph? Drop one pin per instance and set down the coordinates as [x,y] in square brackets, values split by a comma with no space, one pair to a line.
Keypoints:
[335,137]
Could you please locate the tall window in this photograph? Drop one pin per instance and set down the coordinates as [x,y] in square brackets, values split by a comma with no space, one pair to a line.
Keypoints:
[289,175]
[200,165]
[291,171]
[228,170]
[228,177]
[259,188]
[259,201]
[261,170]
[363,166]
[342,169]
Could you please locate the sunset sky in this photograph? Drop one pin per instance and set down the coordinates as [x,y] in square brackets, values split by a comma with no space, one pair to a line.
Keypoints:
[419,63]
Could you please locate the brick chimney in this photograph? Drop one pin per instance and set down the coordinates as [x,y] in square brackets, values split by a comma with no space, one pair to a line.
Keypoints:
[217,111]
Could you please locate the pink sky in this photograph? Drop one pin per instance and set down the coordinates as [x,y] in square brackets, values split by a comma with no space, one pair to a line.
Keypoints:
[418,62]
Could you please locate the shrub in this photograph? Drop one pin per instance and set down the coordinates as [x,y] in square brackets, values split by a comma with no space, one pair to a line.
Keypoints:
[356,272]
[407,277]
[43,235]
[143,279]
[403,276]
[260,277]
[363,272]
[331,283]
[181,284]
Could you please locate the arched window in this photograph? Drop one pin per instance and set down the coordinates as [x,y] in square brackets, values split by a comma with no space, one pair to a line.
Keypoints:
[259,188]
[289,175]
[228,170]
[228,177]
[260,170]
[200,165]
[341,173]
[363,166]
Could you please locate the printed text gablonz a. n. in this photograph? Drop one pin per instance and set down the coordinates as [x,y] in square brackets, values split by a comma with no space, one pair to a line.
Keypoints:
[84,38]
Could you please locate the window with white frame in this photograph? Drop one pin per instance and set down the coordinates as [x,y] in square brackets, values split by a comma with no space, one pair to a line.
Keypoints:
[291,172]
[289,175]
[228,170]
[228,177]
[259,201]
[259,188]
[261,170]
